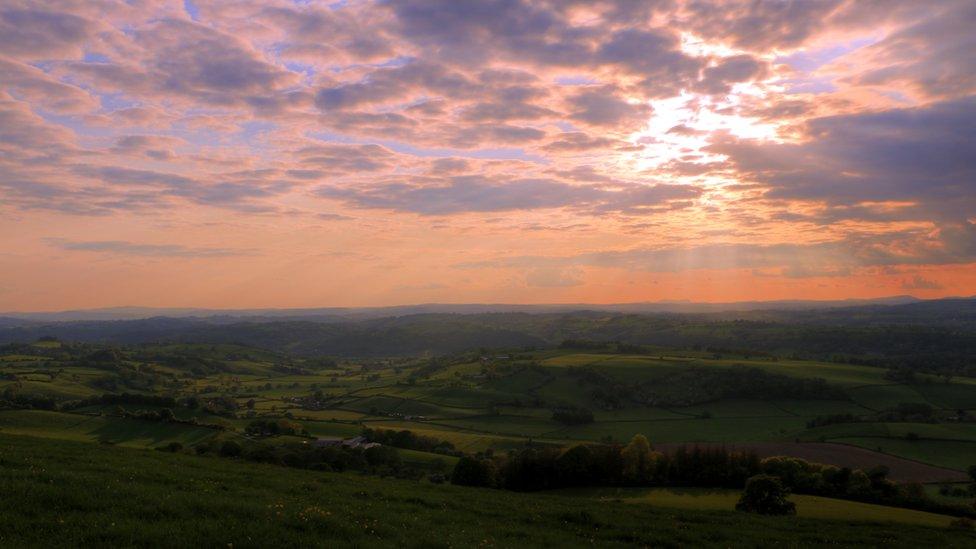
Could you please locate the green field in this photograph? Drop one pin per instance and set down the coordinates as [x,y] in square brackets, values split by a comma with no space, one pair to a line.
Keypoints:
[108,430]
[79,494]
[724,500]
[478,403]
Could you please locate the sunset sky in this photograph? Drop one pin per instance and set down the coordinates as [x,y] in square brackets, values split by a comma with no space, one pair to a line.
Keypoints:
[300,154]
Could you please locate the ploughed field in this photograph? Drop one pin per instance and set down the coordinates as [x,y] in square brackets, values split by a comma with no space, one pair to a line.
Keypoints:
[849,415]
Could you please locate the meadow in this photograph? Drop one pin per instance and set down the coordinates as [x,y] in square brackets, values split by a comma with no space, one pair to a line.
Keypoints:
[86,416]
[88,494]
[724,500]
[500,400]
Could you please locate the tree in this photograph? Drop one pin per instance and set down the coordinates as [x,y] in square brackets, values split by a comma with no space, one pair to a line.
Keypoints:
[572,415]
[230,448]
[573,466]
[638,460]
[765,494]
[471,471]
[972,486]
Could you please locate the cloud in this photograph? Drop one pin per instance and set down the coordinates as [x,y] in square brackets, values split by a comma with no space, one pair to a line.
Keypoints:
[578,141]
[763,25]
[41,34]
[125,248]
[156,147]
[116,175]
[931,56]
[601,107]
[28,136]
[185,59]
[917,282]
[470,32]
[655,56]
[612,134]
[731,70]
[554,277]
[43,89]
[346,158]
[952,245]
[477,194]
[241,191]
[923,155]
[395,84]
[319,34]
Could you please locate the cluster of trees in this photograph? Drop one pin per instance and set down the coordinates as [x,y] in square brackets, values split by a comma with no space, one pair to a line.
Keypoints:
[409,440]
[380,460]
[218,406]
[586,345]
[194,363]
[12,398]
[123,399]
[609,346]
[905,412]
[275,427]
[831,419]
[872,486]
[694,385]
[637,464]
[915,412]
[765,495]
[165,415]
[572,415]
[431,367]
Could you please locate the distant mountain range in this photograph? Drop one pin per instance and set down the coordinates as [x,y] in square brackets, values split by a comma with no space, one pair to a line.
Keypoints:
[348,313]
[895,331]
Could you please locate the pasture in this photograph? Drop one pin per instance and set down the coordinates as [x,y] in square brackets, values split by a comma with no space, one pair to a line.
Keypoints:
[724,500]
[495,401]
[86,494]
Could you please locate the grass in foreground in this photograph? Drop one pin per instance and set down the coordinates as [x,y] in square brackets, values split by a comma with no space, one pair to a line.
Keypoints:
[78,494]
[806,506]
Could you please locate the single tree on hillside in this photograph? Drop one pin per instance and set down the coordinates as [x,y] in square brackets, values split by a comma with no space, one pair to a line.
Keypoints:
[471,471]
[638,460]
[765,494]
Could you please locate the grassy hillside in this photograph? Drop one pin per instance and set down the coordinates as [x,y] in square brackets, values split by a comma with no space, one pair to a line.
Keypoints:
[78,494]
[103,429]
[725,500]
[500,400]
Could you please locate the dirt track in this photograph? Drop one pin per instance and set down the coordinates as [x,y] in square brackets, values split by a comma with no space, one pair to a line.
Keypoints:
[842,455]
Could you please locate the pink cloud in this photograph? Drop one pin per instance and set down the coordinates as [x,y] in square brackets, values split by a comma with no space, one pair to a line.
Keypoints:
[786,140]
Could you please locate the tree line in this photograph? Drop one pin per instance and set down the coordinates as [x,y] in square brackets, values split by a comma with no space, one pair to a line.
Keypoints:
[637,464]
[408,440]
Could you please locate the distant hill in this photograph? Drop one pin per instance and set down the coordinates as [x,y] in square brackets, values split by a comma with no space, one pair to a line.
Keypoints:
[337,313]
[934,335]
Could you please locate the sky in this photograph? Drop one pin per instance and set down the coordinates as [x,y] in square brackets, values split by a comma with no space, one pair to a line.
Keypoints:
[351,153]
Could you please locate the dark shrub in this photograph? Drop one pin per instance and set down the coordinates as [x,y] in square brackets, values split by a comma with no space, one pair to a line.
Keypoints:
[765,495]
[230,448]
[471,471]
[172,447]
[962,523]
[572,415]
